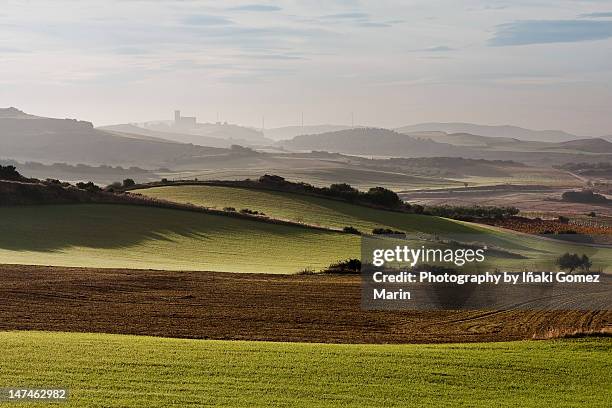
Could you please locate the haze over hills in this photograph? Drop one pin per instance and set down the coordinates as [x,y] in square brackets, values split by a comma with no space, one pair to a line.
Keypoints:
[48,140]
[370,141]
[289,132]
[388,143]
[131,130]
[186,129]
[505,131]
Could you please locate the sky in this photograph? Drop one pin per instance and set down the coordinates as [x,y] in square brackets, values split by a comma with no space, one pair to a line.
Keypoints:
[542,64]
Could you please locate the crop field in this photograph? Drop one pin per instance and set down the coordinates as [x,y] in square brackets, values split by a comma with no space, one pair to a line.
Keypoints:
[546,202]
[115,370]
[533,252]
[98,235]
[244,306]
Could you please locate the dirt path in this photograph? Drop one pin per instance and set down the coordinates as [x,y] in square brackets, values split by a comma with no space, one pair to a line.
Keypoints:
[245,306]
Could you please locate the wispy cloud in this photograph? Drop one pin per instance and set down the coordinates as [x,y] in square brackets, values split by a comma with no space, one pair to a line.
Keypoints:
[603,14]
[439,48]
[527,32]
[206,20]
[256,7]
[346,16]
[357,19]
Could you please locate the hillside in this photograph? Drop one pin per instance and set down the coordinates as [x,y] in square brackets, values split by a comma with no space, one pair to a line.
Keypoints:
[27,137]
[382,142]
[119,236]
[594,145]
[370,141]
[338,214]
[233,133]
[506,131]
[129,130]
[289,132]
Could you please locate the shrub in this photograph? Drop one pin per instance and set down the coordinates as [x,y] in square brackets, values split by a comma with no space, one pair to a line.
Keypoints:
[272,179]
[351,230]
[572,262]
[10,173]
[229,209]
[348,266]
[251,212]
[128,182]
[89,186]
[382,231]
[383,196]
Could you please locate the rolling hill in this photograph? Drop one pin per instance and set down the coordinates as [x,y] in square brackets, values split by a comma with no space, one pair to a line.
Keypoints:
[387,143]
[48,140]
[192,132]
[371,142]
[129,130]
[505,131]
[289,132]
[518,250]
[120,236]
[594,145]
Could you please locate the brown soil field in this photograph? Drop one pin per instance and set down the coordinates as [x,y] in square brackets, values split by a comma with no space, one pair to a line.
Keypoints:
[543,201]
[299,308]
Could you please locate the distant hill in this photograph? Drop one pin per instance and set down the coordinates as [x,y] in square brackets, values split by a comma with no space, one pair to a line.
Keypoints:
[289,132]
[505,131]
[388,143]
[465,139]
[129,130]
[594,145]
[371,141]
[197,132]
[48,140]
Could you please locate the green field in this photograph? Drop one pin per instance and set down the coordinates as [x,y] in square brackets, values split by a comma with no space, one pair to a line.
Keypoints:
[540,252]
[118,236]
[116,371]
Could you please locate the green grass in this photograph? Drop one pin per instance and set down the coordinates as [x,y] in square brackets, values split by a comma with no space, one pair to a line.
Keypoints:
[118,371]
[304,208]
[539,252]
[117,236]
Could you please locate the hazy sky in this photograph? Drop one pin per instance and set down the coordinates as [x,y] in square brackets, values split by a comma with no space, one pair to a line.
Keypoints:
[534,63]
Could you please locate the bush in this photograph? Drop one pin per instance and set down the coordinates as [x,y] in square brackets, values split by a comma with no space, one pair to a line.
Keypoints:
[351,230]
[572,262]
[10,173]
[349,266]
[383,196]
[468,213]
[128,182]
[89,186]
[272,179]
[382,231]
[251,212]
[229,209]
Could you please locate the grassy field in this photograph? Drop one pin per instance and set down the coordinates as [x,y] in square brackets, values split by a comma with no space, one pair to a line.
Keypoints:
[116,236]
[331,213]
[113,370]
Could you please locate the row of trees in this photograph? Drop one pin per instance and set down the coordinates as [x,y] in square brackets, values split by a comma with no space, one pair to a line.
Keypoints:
[378,196]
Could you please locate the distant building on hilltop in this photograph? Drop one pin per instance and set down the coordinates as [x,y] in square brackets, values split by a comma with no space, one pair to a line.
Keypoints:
[184,121]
